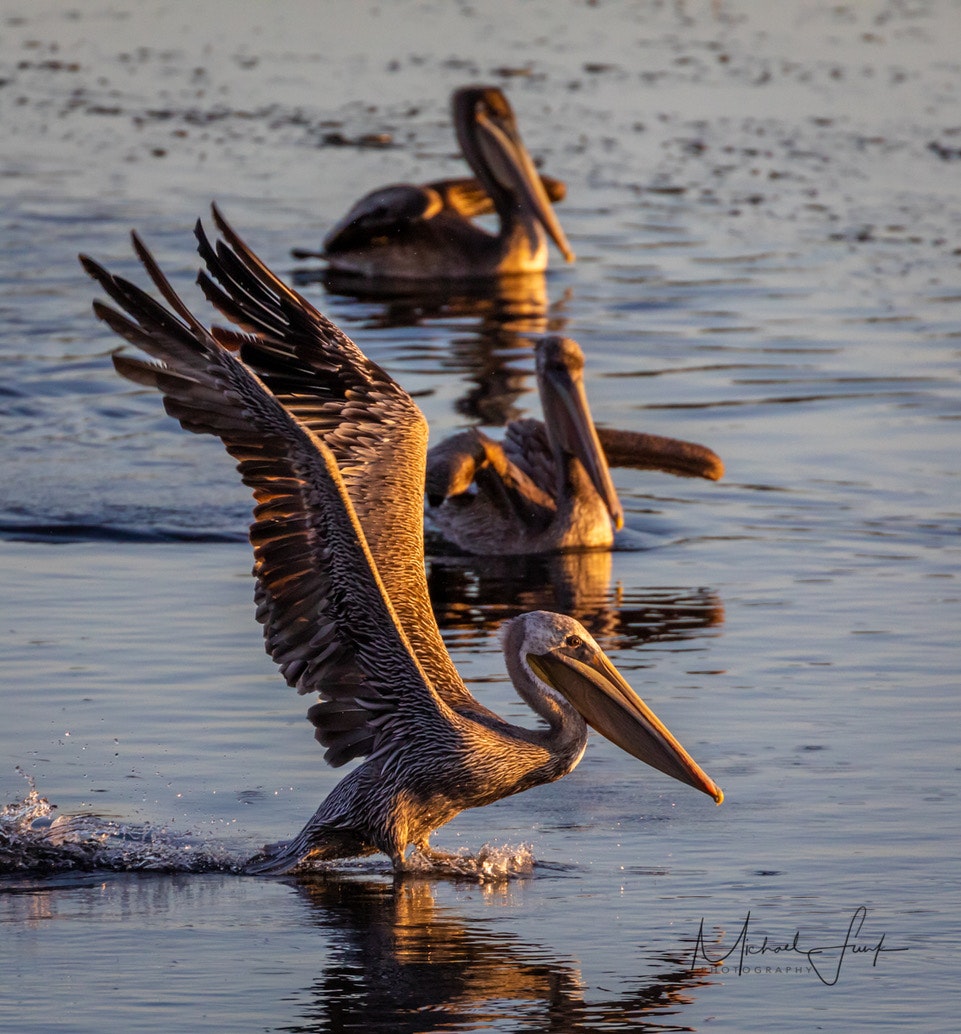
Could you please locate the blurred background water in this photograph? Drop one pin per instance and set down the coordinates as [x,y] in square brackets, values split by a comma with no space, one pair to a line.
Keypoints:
[765,204]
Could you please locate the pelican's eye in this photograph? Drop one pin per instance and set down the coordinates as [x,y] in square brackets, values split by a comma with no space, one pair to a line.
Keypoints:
[573,641]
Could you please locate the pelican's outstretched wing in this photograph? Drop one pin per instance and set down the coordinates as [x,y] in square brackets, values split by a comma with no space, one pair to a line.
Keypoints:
[373,427]
[329,621]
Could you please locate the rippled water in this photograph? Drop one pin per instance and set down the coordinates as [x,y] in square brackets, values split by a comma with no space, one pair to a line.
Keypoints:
[765,204]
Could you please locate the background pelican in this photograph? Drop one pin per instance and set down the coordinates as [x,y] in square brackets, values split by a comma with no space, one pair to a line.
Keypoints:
[385,209]
[426,232]
[547,486]
[337,474]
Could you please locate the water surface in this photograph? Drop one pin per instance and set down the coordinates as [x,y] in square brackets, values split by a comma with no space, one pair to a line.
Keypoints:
[764,203]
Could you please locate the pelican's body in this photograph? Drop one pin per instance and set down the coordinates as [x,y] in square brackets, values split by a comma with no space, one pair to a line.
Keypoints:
[388,211]
[334,452]
[547,486]
[405,231]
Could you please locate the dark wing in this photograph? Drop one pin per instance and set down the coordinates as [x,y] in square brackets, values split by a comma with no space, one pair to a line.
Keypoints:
[384,213]
[527,446]
[328,620]
[373,427]
[470,461]
[654,452]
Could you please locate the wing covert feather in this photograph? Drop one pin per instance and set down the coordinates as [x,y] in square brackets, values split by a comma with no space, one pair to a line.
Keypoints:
[373,427]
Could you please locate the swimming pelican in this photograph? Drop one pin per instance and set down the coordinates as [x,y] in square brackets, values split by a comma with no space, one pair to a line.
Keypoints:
[334,453]
[382,210]
[426,232]
[547,486]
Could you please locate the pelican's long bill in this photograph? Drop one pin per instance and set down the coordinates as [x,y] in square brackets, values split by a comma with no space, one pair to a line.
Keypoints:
[503,152]
[565,408]
[609,705]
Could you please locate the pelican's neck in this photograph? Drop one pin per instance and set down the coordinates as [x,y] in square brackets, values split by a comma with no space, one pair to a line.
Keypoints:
[566,734]
[522,240]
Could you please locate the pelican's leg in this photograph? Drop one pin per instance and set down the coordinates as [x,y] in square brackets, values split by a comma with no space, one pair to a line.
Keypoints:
[422,847]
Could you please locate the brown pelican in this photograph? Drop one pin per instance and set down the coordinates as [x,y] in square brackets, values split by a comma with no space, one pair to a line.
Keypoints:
[547,486]
[334,453]
[426,232]
[382,210]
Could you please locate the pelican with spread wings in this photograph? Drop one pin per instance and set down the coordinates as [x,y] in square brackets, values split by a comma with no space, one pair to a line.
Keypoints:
[333,450]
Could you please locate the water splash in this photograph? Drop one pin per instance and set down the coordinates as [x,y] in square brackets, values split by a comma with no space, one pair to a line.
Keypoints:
[33,842]
[490,864]
[36,842]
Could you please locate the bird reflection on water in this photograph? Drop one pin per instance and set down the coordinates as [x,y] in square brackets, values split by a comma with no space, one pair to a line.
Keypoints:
[474,595]
[401,962]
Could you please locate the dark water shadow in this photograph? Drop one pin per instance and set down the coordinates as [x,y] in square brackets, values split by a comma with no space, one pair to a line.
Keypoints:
[401,963]
[59,532]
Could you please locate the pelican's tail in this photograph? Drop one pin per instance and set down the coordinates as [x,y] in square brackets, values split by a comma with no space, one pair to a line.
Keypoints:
[313,844]
[274,859]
